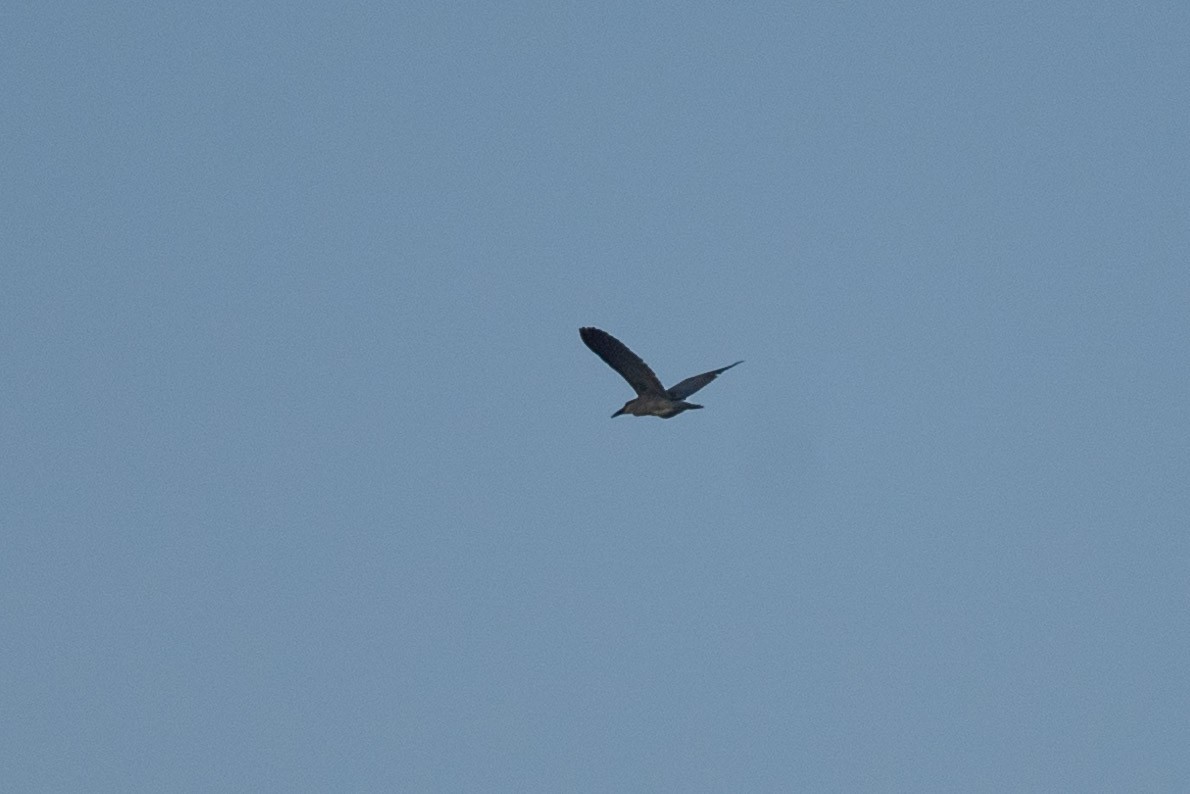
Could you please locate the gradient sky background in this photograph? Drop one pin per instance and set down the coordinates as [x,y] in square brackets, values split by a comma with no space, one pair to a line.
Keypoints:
[309,483]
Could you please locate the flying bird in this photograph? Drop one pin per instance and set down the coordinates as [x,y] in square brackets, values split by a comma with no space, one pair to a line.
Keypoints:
[652,399]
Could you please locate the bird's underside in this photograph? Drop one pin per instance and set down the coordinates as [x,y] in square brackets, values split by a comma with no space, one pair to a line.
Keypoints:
[652,399]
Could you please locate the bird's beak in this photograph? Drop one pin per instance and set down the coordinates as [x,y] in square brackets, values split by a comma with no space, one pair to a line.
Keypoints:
[617,413]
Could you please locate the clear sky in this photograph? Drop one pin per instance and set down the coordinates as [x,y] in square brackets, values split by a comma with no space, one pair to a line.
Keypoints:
[309,483]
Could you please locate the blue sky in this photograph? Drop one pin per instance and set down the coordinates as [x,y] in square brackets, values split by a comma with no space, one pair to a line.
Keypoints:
[309,483]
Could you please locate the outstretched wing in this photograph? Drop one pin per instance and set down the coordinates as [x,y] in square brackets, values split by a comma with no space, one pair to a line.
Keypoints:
[617,356]
[691,385]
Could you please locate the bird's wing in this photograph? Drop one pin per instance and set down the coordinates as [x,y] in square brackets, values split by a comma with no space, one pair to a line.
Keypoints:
[691,385]
[617,356]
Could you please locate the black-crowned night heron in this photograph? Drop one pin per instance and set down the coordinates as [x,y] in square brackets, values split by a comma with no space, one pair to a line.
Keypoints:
[652,398]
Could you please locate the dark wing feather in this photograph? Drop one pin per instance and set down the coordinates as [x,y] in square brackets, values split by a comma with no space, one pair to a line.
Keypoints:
[617,356]
[693,384]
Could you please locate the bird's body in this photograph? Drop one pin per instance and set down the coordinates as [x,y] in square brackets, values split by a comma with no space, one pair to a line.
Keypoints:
[655,405]
[652,398]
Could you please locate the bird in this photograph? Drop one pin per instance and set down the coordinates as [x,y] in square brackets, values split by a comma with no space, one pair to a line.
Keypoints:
[652,399]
